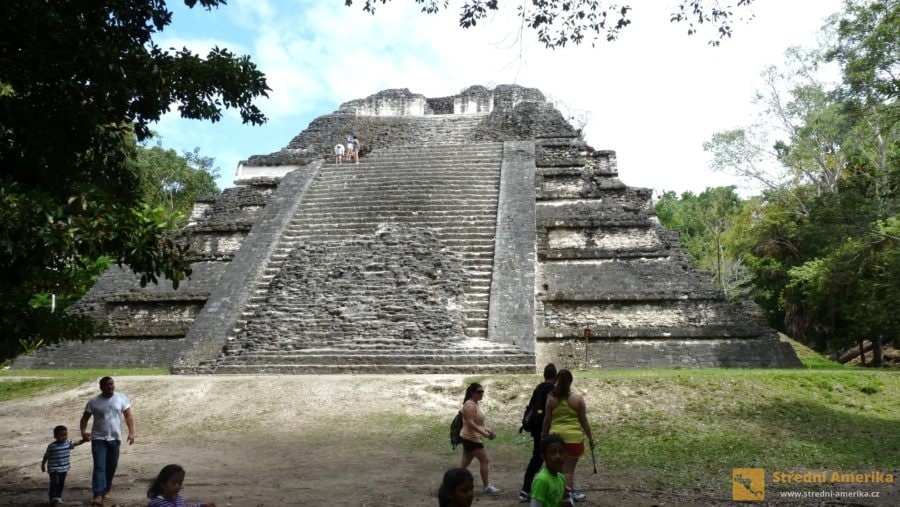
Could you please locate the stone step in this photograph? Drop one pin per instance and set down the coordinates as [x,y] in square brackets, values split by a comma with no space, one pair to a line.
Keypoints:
[411,178]
[468,235]
[436,149]
[454,195]
[469,248]
[476,332]
[411,175]
[385,358]
[365,231]
[477,243]
[321,369]
[416,149]
[378,193]
[378,220]
[464,174]
[399,172]
[385,210]
[420,208]
[332,237]
[396,345]
[436,163]
[361,227]
[434,158]
[475,256]
[307,222]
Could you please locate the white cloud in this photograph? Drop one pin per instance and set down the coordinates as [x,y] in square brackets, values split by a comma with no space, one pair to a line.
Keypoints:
[654,96]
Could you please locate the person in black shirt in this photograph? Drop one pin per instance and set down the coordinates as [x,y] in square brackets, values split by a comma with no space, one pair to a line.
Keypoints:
[532,423]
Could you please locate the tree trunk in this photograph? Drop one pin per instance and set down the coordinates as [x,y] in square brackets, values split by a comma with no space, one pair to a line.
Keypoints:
[877,351]
[850,355]
[862,353]
[719,261]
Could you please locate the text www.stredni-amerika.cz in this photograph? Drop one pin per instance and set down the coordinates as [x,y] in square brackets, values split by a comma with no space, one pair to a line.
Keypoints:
[829,494]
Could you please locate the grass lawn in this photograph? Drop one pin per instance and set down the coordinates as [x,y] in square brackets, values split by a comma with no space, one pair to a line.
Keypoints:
[674,430]
[24,383]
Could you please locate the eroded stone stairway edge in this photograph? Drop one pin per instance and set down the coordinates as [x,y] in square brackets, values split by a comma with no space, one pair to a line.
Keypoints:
[219,317]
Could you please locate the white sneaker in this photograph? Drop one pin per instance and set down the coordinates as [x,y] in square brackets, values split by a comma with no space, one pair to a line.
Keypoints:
[490,489]
[578,495]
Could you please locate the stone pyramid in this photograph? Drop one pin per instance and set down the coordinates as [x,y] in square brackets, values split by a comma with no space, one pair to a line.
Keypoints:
[477,234]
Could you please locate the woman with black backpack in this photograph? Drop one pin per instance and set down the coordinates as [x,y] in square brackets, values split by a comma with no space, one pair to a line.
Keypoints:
[472,434]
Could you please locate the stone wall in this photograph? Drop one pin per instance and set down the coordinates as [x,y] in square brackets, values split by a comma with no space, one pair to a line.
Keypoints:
[606,268]
[215,324]
[146,326]
[505,113]
[475,99]
[396,102]
[401,285]
[511,315]
[668,353]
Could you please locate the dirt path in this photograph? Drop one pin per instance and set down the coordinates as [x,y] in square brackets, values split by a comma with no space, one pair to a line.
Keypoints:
[291,440]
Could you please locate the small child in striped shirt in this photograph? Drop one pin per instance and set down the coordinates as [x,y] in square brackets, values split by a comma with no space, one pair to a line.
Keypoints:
[56,461]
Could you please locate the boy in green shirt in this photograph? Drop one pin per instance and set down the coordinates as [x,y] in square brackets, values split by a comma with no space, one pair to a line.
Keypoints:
[549,486]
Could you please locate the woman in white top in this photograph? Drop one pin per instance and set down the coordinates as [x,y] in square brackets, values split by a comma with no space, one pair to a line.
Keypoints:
[472,434]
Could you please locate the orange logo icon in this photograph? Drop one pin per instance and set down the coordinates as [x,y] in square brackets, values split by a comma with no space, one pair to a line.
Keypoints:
[748,484]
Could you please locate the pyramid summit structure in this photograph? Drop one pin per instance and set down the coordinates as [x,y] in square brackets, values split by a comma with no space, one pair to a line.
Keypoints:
[478,233]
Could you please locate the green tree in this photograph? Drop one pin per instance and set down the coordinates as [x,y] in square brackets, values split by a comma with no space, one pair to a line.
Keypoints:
[821,240]
[794,148]
[703,221]
[78,82]
[174,181]
[866,46]
[559,22]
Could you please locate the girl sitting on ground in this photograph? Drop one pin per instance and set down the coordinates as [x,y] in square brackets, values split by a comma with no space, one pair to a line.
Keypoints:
[457,489]
[166,489]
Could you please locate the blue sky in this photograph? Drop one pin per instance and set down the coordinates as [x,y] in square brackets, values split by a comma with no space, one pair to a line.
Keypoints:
[654,96]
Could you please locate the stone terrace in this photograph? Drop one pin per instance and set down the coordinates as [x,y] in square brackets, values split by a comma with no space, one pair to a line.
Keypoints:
[478,234]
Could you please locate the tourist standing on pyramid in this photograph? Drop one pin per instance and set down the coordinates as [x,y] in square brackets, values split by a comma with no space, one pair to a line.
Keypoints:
[338,153]
[107,408]
[567,417]
[352,147]
[473,433]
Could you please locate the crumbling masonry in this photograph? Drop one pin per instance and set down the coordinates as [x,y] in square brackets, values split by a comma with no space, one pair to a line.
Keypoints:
[478,234]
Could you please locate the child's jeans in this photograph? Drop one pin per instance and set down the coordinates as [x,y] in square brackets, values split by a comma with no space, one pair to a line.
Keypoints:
[57,483]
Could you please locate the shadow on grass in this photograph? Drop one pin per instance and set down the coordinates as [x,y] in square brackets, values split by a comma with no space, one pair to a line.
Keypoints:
[813,434]
[697,451]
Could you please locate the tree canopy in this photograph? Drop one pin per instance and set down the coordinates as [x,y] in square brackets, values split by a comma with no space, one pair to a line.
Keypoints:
[822,241]
[560,22]
[79,83]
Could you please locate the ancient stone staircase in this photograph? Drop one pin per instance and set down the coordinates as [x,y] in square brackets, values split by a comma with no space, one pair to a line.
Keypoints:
[431,189]
[387,266]
[452,194]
